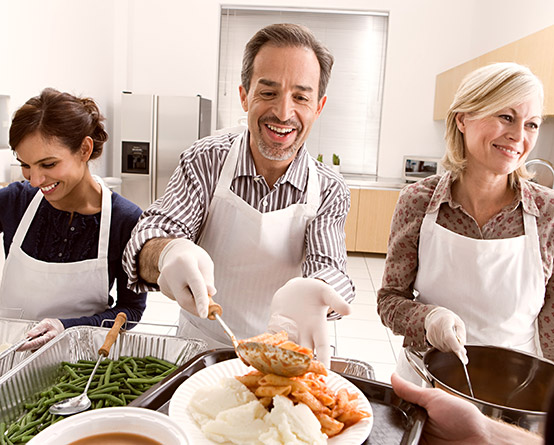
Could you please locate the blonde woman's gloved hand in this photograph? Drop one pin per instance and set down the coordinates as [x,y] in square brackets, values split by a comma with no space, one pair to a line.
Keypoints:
[42,333]
[446,332]
[300,308]
[187,275]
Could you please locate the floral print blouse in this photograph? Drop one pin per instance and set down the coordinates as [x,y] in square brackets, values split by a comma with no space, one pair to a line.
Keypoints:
[395,300]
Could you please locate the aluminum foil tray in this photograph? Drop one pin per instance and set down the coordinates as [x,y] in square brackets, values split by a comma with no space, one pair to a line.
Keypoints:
[38,371]
[397,422]
[11,331]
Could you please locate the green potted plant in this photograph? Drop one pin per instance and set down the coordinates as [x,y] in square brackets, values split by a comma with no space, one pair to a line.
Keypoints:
[336,162]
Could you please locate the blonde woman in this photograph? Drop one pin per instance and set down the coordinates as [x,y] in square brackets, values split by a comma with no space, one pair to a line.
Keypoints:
[470,255]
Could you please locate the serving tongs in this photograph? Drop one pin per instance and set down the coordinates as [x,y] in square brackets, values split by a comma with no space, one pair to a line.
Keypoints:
[14,347]
[269,359]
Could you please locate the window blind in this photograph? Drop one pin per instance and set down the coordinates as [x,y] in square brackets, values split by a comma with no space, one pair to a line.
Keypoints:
[350,123]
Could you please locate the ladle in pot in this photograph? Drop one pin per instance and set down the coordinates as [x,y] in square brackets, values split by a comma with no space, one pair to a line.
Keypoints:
[80,403]
[269,359]
[464,365]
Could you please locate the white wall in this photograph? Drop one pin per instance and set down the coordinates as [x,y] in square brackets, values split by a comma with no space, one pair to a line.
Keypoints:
[171,46]
[64,44]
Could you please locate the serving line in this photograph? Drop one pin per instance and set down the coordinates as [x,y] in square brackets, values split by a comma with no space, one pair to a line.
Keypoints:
[395,420]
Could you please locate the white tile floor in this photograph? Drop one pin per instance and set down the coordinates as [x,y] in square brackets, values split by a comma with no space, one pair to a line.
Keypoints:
[361,335]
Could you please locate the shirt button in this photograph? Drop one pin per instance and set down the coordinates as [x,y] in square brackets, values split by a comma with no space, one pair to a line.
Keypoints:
[72,228]
[65,240]
[265,203]
[60,254]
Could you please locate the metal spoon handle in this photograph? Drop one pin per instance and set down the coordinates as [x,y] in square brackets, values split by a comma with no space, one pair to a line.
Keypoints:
[14,347]
[112,334]
[468,381]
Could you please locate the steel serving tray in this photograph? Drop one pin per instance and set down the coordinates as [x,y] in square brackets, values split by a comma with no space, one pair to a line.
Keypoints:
[11,331]
[38,371]
[396,422]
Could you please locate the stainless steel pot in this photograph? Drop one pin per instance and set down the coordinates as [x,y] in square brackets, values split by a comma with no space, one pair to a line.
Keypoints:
[508,385]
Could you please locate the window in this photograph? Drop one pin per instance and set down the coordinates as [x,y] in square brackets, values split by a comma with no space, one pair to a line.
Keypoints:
[350,122]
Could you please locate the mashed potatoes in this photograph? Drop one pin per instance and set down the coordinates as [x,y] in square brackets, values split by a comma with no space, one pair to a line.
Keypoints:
[230,413]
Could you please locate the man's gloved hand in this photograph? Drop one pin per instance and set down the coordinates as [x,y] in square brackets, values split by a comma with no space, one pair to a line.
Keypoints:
[446,332]
[300,308]
[187,275]
[44,331]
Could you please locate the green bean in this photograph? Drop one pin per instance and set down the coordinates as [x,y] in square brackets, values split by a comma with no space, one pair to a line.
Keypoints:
[2,431]
[163,363]
[128,371]
[108,373]
[105,389]
[113,399]
[70,371]
[151,380]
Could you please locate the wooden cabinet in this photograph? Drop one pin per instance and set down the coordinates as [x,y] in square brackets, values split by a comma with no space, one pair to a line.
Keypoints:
[368,222]
[534,51]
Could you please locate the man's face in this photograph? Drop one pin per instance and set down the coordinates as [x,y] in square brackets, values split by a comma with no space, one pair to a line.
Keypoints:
[282,102]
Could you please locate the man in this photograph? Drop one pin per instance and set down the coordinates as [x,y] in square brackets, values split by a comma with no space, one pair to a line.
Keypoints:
[254,215]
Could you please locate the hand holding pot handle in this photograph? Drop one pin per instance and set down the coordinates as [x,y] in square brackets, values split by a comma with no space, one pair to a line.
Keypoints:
[446,332]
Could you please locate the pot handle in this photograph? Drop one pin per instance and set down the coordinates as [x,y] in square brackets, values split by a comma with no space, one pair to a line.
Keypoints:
[410,353]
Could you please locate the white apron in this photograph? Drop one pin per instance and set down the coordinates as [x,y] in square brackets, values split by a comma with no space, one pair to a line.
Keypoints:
[254,255]
[56,290]
[495,286]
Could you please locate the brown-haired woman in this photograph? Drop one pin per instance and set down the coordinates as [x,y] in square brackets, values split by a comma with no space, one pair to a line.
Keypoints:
[64,231]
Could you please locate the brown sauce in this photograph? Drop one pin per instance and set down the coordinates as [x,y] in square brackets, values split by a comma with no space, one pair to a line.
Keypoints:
[116,439]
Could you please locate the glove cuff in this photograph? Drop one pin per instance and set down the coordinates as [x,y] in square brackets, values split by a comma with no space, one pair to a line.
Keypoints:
[278,322]
[167,248]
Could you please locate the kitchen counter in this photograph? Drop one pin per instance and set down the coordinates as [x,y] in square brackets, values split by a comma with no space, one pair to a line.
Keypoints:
[373,182]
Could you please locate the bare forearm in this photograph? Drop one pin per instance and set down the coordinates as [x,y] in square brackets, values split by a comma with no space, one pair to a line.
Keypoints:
[148,259]
[501,433]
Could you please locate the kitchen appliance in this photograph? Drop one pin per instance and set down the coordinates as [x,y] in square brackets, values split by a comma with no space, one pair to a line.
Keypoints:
[154,132]
[419,167]
[542,170]
[509,385]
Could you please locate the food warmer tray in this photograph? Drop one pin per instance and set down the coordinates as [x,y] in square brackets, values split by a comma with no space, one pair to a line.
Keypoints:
[396,422]
[40,370]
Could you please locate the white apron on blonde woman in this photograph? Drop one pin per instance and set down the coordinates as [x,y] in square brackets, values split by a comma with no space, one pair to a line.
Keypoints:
[495,286]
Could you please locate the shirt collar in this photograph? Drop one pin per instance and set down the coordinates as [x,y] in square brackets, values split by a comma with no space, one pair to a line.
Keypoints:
[443,193]
[295,174]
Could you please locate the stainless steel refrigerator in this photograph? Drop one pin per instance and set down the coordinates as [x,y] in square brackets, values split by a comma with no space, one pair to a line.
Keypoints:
[155,130]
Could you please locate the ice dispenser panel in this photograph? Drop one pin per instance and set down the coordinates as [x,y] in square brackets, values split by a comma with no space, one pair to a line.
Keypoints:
[135,157]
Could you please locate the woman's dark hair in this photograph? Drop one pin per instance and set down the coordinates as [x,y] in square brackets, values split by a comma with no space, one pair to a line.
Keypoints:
[61,116]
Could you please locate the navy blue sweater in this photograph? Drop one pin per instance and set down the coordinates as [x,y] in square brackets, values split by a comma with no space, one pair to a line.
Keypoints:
[50,227]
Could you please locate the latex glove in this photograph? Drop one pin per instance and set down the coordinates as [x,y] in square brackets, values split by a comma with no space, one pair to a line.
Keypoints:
[187,275]
[300,308]
[44,331]
[446,332]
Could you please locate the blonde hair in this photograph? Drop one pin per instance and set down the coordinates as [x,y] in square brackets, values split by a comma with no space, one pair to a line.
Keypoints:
[484,92]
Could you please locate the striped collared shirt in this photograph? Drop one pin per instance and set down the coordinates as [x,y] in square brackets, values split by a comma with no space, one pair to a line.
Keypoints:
[183,209]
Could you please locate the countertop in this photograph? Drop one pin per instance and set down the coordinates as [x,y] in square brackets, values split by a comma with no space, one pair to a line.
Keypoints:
[373,182]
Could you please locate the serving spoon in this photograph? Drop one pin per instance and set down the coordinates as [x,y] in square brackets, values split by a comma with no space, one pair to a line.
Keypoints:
[269,359]
[470,387]
[80,403]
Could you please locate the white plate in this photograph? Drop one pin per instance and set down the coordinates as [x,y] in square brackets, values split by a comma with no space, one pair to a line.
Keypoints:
[178,406]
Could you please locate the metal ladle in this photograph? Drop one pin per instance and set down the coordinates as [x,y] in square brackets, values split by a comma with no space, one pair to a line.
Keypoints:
[80,403]
[269,359]
[464,365]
